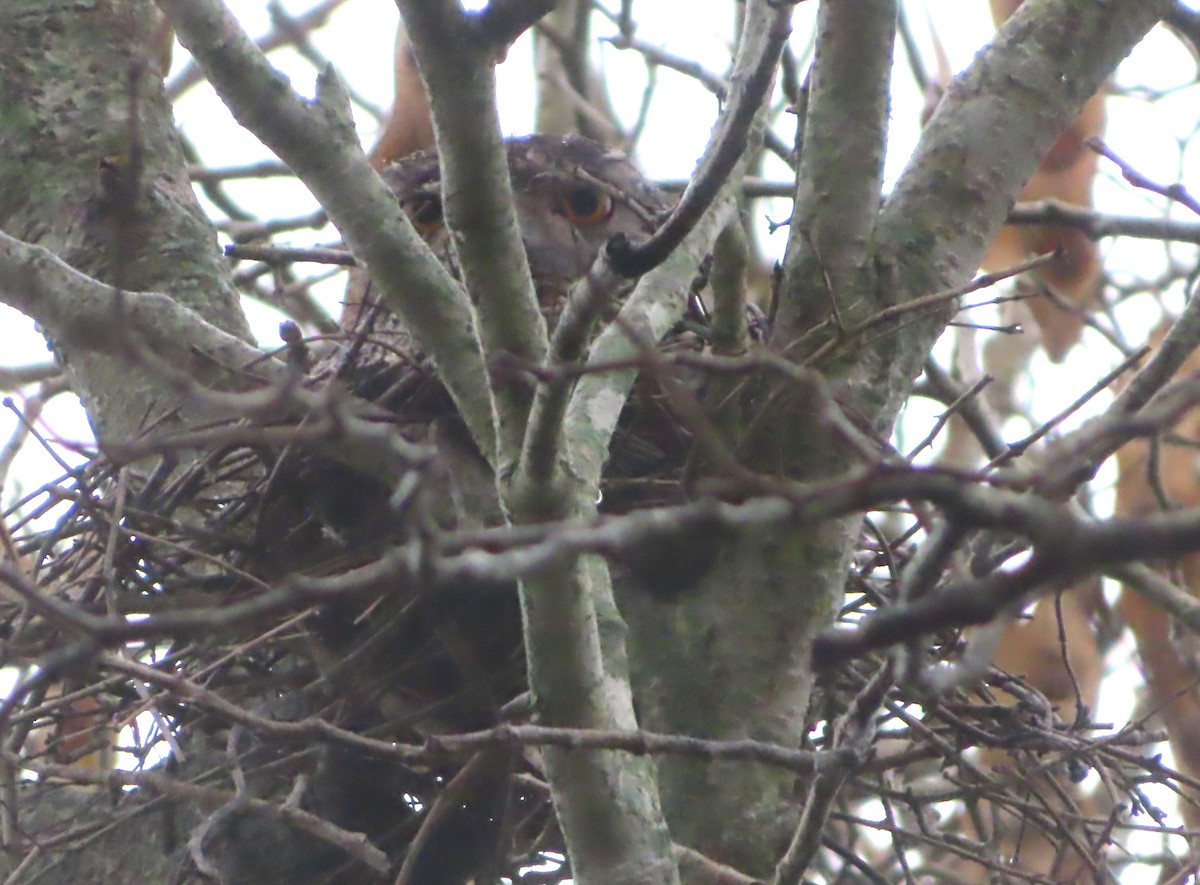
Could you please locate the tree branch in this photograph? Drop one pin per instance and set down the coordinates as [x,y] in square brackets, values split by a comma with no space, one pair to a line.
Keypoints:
[457,56]
[839,181]
[986,138]
[317,141]
[90,316]
[754,72]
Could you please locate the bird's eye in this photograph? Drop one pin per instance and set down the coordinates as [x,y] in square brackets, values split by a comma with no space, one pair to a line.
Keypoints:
[584,204]
[425,214]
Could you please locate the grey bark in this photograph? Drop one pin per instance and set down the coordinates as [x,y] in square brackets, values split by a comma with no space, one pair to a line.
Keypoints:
[91,168]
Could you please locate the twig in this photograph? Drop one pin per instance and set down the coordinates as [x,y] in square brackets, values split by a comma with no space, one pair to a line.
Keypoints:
[1176,192]
[756,64]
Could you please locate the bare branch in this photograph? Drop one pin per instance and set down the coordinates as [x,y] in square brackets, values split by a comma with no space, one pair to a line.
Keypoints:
[317,141]
[457,57]
[983,130]
[96,317]
[754,72]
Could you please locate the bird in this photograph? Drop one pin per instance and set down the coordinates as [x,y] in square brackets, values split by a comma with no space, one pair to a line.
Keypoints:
[572,195]
[423,660]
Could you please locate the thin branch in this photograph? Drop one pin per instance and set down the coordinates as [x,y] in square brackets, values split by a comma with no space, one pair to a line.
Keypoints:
[985,131]
[1149,403]
[1098,225]
[276,255]
[854,732]
[1180,342]
[754,70]
[12,377]
[585,302]
[1176,192]
[316,140]
[92,316]
[1148,583]
[966,406]
[305,23]
[656,57]
[1058,559]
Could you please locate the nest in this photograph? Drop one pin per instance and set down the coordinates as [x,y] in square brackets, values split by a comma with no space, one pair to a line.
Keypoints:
[244,551]
[402,664]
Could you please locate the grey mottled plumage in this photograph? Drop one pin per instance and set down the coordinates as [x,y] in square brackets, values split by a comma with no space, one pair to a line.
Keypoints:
[571,195]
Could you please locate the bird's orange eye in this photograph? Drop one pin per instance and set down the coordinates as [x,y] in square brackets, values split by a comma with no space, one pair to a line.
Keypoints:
[425,214]
[584,204]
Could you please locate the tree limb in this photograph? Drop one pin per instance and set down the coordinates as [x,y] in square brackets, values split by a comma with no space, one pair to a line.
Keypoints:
[317,140]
